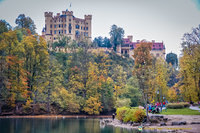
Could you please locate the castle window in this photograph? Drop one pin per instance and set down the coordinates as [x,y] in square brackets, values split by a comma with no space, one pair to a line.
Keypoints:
[54,38]
[70,27]
[77,26]
[51,26]
[55,21]
[54,31]
[86,34]
[59,25]
[59,31]
[69,19]
[86,28]
[65,25]
[86,23]
[81,27]
[62,31]
[55,26]
[62,25]
[65,32]
[50,31]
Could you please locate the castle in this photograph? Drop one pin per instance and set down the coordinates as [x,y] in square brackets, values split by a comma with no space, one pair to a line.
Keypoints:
[158,48]
[66,24]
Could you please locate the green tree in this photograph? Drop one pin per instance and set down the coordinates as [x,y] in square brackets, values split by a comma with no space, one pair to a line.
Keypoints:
[4,26]
[25,22]
[116,36]
[172,58]
[132,92]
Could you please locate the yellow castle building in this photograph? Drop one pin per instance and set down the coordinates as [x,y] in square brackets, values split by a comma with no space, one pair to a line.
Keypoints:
[66,24]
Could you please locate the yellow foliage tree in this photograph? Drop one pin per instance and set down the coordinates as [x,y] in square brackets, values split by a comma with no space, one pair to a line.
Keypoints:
[93,106]
[172,94]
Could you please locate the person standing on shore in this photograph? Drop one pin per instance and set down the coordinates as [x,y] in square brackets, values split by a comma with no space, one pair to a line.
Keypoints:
[113,116]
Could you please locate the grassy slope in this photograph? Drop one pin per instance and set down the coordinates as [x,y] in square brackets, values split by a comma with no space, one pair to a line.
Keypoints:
[185,111]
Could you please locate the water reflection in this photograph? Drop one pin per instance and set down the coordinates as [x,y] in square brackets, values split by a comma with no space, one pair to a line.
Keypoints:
[60,125]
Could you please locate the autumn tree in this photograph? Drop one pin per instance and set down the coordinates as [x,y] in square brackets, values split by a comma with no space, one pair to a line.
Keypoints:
[93,106]
[189,66]
[161,78]
[36,63]
[143,63]
[14,76]
[119,78]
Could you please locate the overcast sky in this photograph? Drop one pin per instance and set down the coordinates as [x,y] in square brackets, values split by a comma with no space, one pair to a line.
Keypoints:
[160,20]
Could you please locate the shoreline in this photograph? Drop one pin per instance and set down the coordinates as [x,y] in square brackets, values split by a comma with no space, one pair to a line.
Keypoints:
[57,116]
[191,128]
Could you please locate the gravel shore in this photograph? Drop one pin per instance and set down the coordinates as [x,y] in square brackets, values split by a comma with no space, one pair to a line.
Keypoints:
[188,128]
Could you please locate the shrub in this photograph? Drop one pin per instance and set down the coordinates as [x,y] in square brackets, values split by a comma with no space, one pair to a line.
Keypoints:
[139,115]
[130,114]
[185,104]
[178,105]
[121,113]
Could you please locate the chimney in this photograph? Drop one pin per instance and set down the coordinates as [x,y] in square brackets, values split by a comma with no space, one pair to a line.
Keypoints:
[130,38]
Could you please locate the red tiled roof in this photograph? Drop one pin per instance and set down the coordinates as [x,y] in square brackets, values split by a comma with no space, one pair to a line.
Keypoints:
[155,45]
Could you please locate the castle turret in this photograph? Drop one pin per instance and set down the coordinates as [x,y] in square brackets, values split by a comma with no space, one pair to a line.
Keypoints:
[88,23]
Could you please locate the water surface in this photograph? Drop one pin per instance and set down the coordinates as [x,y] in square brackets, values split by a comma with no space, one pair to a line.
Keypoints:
[59,125]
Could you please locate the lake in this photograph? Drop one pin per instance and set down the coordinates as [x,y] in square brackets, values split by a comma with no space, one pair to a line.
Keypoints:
[59,125]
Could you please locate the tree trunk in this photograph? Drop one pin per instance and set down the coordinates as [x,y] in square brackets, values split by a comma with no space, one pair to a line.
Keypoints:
[0,109]
[48,100]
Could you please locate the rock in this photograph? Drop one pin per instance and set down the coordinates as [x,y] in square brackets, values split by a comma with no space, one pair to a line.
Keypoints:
[107,120]
[154,120]
[165,119]
[183,123]
[175,123]
[140,107]
[147,124]
[179,123]
[158,116]
[163,124]
[136,124]
[195,123]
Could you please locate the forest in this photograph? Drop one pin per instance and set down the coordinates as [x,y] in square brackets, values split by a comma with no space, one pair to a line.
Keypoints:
[37,78]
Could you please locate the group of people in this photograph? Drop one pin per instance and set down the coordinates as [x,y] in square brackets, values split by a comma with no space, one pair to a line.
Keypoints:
[157,107]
